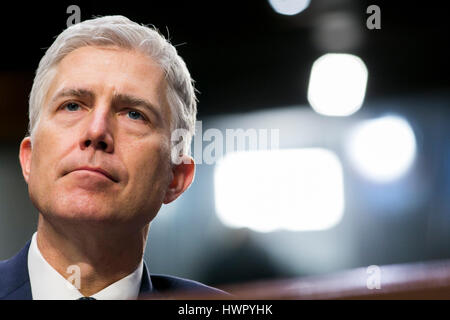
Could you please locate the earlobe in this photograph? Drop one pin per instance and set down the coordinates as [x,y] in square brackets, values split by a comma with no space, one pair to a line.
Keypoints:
[25,157]
[183,175]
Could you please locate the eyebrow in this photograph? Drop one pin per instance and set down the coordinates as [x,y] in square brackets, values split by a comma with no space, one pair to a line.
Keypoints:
[71,92]
[120,98]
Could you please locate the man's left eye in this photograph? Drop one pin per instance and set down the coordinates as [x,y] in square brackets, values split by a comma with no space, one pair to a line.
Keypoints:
[72,106]
[135,115]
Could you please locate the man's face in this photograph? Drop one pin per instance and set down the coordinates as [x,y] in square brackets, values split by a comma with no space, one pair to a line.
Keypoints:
[101,150]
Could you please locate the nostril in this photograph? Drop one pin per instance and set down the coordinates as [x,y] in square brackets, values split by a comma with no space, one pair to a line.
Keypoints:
[103,145]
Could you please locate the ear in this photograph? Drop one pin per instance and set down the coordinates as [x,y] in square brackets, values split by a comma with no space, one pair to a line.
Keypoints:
[25,157]
[182,177]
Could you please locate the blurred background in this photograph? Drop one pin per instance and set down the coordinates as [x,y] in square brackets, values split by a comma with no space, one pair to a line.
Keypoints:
[343,112]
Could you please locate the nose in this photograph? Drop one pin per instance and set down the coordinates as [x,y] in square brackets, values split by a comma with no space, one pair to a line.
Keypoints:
[98,132]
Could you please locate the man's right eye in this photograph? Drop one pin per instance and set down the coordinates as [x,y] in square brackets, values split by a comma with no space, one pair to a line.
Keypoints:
[71,106]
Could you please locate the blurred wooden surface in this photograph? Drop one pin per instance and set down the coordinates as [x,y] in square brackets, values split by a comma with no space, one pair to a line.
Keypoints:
[428,280]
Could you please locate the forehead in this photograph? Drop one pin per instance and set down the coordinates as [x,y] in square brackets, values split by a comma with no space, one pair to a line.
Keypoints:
[111,70]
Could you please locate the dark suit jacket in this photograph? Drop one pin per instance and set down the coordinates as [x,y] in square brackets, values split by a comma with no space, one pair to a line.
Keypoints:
[15,281]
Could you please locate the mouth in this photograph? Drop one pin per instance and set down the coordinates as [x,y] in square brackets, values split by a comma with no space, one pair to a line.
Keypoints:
[98,170]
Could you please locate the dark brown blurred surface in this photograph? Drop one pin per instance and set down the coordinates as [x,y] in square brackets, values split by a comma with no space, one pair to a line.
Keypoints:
[14,90]
[430,280]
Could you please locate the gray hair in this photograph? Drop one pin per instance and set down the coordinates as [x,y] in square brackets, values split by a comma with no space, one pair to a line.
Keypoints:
[121,32]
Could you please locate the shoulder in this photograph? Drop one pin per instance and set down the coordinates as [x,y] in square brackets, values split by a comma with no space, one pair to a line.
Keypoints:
[14,275]
[6,267]
[163,283]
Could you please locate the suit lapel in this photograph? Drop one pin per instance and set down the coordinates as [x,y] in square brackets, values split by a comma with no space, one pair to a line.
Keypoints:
[14,279]
[146,283]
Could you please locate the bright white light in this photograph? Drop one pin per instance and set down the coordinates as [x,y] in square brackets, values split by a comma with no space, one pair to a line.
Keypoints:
[383,149]
[294,189]
[289,7]
[337,84]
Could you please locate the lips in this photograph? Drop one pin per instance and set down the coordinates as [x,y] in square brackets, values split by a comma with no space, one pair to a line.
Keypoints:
[99,170]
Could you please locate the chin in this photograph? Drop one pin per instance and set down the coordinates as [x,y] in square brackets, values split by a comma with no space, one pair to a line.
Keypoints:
[79,208]
[79,214]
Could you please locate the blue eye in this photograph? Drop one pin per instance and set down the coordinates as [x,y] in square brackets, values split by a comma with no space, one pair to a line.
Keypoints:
[71,106]
[135,115]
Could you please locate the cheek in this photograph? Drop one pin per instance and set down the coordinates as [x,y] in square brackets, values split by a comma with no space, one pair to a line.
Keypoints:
[150,163]
[48,149]
[160,161]
[41,180]
[44,147]
[41,154]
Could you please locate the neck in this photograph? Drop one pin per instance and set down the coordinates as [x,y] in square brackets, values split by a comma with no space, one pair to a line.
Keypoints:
[103,255]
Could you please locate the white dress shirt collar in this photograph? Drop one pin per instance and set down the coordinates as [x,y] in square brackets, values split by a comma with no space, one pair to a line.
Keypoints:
[47,284]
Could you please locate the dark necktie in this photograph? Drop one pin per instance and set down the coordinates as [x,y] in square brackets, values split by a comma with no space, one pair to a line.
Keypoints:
[87,298]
